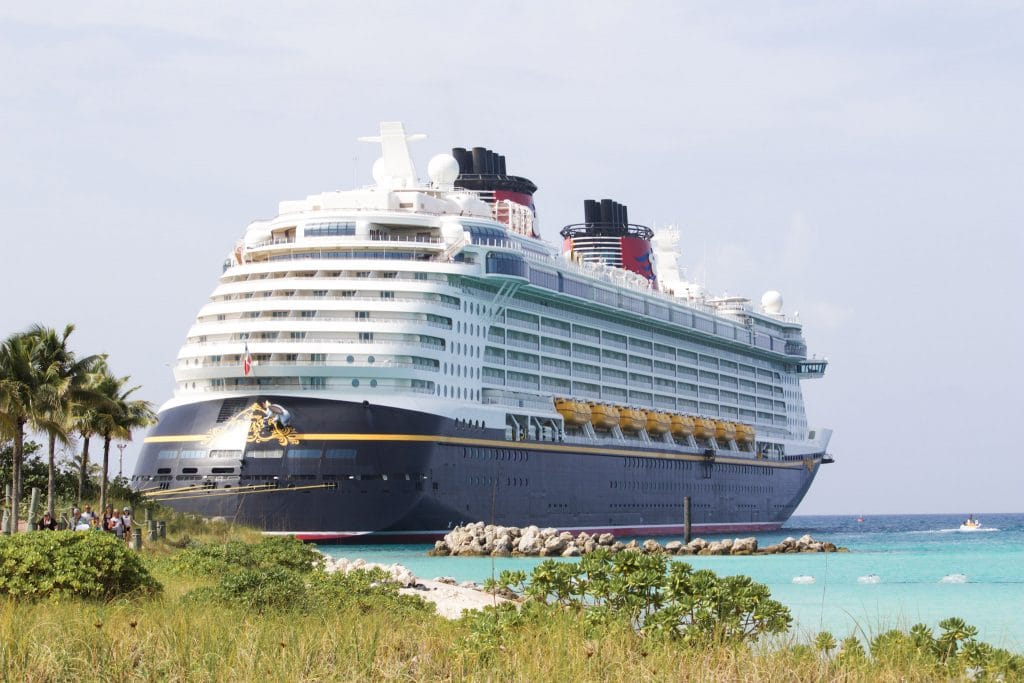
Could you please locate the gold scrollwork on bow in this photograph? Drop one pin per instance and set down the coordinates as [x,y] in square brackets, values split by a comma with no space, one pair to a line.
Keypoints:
[267,422]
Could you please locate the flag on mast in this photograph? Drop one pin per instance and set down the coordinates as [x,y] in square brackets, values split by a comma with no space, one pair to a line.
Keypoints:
[247,361]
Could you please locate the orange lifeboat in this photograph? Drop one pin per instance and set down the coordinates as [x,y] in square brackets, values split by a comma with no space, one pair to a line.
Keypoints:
[725,431]
[569,410]
[704,428]
[603,416]
[682,426]
[745,434]
[658,423]
[632,419]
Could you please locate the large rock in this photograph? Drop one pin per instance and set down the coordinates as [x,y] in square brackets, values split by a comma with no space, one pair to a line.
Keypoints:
[716,548]
[441,548]
[651,546]
[571,551]
[606,539]
[673,547]
[748,544]
[556,544]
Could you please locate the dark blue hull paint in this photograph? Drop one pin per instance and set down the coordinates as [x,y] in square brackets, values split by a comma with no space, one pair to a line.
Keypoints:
[404,485]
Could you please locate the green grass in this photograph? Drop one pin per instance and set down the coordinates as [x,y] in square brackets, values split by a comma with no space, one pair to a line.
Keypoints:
[166,637]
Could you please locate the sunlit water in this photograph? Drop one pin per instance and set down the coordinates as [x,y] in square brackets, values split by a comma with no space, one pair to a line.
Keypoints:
[902,569]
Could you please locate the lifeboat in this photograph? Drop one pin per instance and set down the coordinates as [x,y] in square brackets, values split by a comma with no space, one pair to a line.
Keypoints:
[573,412]
[725,431]
[632,419]
[603,416]
[704,428]
[658,423]
[745,434]
[682,426]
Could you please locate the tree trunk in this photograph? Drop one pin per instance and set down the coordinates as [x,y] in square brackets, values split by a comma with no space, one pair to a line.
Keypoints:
[106,469]
[19,454]
[50,478]
[86,438]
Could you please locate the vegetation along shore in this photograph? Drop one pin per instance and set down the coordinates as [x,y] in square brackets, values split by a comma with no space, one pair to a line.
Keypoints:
[213,601]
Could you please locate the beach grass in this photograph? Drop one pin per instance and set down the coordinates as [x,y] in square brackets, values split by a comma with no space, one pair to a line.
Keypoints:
[172,636]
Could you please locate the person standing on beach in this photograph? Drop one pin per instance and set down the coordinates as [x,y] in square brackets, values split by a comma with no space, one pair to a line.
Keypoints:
[47,523]
[108,515]
[126,523]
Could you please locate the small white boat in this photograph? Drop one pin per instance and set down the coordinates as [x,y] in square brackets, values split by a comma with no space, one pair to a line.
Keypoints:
[971,524]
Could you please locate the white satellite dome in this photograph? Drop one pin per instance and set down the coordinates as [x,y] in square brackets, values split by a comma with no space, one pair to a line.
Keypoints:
[379,171]
[443,169]
[771,302]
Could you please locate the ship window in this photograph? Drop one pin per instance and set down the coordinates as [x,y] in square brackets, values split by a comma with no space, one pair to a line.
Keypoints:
[349,359]
[266,453]
[223,470]
[345,453]
[193,454]
[163,470]
[167,454]
[373,383]
[189,470]
[370,359]
[355,382]
[303,452]
[225,455]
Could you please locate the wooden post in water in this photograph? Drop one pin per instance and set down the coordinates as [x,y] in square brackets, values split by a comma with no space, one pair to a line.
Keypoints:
[33,509]
[686,519]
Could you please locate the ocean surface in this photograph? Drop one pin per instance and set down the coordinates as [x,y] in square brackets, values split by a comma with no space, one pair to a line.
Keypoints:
[901,570]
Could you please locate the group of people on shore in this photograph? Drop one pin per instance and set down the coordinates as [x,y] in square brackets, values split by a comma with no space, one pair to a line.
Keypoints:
[117,522]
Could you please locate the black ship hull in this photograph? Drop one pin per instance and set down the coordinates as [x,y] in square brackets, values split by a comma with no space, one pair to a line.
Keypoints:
[334,470]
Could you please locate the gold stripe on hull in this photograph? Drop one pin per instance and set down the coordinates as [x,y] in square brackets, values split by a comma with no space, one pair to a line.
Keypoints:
[533,445]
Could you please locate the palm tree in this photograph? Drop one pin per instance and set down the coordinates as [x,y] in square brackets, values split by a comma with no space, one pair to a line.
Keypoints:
[72,392]
[86,424]
[117,417]
[28,393]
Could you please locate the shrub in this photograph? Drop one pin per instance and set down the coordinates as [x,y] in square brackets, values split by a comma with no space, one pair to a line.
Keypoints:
[283,552]
[255,589]
[697,607]
[281,588]
[55,564]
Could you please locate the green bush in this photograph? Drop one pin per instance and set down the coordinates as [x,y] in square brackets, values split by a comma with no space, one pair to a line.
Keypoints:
[283,552]
[266,588]
[255,589]
[661,598]
[57,564]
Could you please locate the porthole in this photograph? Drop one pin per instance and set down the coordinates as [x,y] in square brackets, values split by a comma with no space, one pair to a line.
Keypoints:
[370,359]
[350,359]
[373,383]
[355,382]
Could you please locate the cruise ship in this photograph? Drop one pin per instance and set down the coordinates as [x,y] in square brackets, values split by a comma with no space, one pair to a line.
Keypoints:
[388,362]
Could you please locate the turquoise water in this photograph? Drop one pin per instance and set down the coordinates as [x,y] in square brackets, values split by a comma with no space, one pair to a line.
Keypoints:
[910,554]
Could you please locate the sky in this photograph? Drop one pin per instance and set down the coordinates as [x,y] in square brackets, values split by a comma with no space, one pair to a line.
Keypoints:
[865,159]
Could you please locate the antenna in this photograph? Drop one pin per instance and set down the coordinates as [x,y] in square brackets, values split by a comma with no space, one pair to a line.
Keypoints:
[394,169]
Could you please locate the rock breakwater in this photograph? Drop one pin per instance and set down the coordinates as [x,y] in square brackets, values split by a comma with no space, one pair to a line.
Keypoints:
[478,539]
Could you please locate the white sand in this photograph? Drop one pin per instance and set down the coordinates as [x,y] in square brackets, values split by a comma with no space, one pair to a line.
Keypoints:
[452,600]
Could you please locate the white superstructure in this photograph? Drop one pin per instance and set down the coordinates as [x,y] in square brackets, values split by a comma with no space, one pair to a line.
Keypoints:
[435,298]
